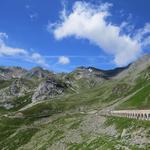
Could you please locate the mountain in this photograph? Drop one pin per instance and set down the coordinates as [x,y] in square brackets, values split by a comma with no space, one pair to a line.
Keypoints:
[43,84]
[48,89]
[11,72]
[136,67]
[38,72]
[43,110]
[87,72]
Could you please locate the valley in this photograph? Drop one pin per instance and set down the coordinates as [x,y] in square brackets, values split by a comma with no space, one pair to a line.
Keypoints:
[41,110]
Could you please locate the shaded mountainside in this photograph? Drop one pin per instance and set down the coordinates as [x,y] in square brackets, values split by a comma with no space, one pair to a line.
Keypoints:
[42,110]
[86,72]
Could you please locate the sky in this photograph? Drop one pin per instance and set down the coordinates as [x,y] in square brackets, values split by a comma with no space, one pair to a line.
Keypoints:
[61,35]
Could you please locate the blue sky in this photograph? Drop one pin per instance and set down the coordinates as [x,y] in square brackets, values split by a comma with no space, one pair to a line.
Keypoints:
[61,35]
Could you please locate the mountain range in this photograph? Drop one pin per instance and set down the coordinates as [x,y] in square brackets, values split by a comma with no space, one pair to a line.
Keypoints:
[40,109]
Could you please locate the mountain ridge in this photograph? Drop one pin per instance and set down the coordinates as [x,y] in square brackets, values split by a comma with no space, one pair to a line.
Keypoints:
[43,84]
[43,110]
[35,70]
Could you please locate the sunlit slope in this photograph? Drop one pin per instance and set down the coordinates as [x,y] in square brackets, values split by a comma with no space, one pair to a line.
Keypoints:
[73,120]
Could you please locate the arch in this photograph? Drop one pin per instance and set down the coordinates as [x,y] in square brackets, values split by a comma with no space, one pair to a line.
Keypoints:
[142,116]
[138,116]
[145,116]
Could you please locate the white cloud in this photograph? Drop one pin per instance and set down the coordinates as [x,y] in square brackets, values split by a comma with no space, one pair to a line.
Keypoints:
[36,57]
[63,60]
[143,35]
[6,50]
[89,22]
[128,28]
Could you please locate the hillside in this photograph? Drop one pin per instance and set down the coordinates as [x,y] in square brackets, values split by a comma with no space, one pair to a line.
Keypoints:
[42,110]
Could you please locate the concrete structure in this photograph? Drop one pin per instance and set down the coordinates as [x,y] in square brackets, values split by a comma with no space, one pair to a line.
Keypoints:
[136,114]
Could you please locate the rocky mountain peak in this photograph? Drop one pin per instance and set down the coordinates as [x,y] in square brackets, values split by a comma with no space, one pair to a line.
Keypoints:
[88,72]
[48,89]
[11,72]
[136,67]
[38,72]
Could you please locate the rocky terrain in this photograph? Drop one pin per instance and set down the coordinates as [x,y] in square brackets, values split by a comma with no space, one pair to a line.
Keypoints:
[42,110]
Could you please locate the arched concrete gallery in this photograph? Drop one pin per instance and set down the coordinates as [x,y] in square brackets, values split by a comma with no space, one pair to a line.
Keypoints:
[137,114]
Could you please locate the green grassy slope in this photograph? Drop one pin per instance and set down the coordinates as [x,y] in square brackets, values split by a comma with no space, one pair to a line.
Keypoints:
[15,132]
[141,100]
[66,122]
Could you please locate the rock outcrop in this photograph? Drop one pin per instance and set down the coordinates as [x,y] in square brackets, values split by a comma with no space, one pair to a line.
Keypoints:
[15,89]
[11,72]
[48,89]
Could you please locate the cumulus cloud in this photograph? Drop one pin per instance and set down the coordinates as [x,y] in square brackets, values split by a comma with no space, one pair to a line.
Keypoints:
[90,22]
[36,57]
[143,35]
[6,50]
[63,60]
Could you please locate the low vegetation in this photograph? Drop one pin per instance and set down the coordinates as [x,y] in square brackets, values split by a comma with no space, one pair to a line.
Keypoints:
[74,119]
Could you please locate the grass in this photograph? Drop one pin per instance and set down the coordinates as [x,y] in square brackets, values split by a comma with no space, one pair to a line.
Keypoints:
[5,83]
[19,102]
[124,123]
[71,102]
[10,125]
[131,126]
[95,98]
[140,100]
[18,139]
[15,132]
[101,143]
[75,124]
[3,111]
